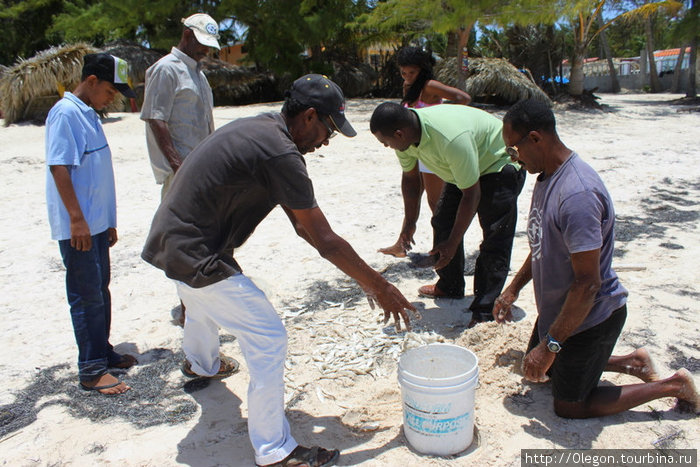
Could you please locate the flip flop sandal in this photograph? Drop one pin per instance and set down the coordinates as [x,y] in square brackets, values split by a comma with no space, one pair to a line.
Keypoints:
[308,457]
[125,361]
[98,388]
[229,367]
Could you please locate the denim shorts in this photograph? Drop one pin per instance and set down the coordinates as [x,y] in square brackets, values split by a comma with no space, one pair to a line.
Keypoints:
[578,366]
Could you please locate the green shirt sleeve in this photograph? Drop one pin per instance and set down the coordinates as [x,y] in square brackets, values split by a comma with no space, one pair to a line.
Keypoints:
[408,162]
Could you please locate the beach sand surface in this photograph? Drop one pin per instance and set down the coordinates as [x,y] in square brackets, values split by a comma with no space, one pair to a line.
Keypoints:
[341,376]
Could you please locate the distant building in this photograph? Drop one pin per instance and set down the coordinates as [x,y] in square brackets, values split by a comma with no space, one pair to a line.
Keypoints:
[233,54]
[633,72]
[666,59]
[665,62]
[376,55]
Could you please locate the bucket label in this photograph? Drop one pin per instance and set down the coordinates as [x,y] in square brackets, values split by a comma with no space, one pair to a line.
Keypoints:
[435,426]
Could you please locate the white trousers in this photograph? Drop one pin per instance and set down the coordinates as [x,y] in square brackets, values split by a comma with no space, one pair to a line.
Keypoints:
[241,308]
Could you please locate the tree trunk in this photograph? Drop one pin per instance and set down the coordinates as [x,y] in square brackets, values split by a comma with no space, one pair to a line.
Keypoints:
[677,69]
[576,76]
[614,83]
[463,35]
[653,73]
[561,64]
[452,45]
[551,72]
[692,66]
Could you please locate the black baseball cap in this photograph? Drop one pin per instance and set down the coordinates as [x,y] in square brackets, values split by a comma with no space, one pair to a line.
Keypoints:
[325,96]
[107,67]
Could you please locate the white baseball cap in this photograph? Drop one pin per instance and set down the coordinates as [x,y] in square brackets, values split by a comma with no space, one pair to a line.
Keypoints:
[205,29]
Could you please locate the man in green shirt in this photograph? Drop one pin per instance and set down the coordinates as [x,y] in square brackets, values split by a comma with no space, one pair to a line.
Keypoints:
[464,147]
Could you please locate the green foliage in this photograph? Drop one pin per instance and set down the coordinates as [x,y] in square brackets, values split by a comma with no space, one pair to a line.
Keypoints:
[24,28]
[156,23]
[32,25]
[280,31]
[688,25]
[404,21]
[625,40]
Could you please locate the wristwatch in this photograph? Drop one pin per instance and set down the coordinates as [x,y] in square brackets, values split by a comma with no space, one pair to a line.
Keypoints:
[553,345]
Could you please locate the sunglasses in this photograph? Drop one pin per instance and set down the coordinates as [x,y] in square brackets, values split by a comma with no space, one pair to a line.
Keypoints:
[512,151]
[331,131]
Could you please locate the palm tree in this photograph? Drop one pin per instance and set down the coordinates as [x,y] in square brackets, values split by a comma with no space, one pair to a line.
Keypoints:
[583,16]
[453,17]
[615,84]
[647,13]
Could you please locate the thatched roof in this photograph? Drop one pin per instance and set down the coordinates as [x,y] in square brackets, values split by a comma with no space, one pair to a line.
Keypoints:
[31,87]
[232,84]
[489,77]
[140,58]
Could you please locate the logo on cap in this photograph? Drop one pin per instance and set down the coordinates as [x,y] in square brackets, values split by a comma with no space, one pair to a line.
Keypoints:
[212,29]
[121,71]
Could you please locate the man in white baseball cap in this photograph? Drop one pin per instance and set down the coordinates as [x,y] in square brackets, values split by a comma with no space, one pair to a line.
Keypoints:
[178,103]
[205,29]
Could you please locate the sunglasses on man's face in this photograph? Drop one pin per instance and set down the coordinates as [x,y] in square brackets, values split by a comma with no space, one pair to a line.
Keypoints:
[331,131]
[512,151]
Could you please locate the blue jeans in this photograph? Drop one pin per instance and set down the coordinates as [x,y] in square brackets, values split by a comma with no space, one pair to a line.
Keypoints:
[87,287]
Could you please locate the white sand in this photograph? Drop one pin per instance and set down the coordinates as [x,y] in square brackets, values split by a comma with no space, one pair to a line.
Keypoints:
[647,153]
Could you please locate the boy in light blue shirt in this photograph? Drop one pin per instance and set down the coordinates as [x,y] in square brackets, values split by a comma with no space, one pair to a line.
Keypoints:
[82,210]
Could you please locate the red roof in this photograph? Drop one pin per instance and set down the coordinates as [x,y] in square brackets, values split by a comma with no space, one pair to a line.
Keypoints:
[657,54]
[670,52]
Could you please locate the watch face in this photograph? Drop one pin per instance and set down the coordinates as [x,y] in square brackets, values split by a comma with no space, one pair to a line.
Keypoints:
[554,347]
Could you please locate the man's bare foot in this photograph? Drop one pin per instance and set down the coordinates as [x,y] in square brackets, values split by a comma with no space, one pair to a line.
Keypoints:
[394,250]
[688,396]
[637,364]
[106,384]
[644,368]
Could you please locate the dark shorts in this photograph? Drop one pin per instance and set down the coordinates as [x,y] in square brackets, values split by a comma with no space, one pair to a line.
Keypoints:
[578,366]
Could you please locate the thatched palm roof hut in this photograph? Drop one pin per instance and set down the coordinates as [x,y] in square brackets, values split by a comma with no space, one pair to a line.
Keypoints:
[3,70]
[492,78]
[235,85]
[31,87]
[139,58]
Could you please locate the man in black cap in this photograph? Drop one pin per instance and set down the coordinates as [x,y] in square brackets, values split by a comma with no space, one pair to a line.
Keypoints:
[223,190]
[82,209]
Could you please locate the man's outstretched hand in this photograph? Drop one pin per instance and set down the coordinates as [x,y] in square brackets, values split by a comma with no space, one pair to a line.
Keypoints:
[392,301]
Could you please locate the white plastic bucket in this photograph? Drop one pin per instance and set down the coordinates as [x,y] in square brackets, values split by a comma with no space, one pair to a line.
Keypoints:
[438,382]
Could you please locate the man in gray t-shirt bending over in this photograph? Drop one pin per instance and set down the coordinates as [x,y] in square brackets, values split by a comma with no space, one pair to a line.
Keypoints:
[581,304]
[223,190]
